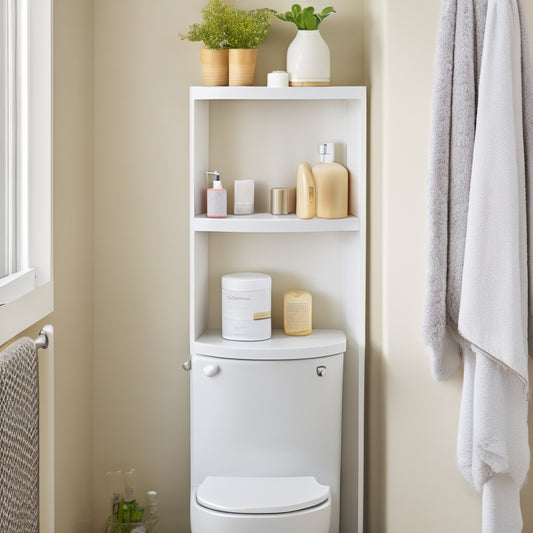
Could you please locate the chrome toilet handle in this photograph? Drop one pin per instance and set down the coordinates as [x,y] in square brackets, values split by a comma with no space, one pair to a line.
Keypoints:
[321,371]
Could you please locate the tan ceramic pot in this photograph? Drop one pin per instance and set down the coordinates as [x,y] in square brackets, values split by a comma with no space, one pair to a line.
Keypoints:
[242,63]
[214,66]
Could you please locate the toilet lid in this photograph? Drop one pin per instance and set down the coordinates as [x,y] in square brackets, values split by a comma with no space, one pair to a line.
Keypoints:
[260,495]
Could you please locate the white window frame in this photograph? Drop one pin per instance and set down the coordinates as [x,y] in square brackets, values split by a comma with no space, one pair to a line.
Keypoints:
[26,296]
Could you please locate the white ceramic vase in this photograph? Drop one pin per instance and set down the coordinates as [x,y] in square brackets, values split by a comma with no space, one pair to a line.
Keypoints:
[308,61]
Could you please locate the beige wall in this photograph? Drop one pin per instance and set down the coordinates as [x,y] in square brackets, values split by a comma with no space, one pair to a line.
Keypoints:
[412,482]
[73,262]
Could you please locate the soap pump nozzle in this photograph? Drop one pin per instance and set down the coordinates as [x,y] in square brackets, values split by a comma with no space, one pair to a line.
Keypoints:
[217,184]
[327,152]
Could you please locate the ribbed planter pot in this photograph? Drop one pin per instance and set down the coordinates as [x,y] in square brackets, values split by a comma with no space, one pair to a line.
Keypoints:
[242,63]
[214,66]
[308,60]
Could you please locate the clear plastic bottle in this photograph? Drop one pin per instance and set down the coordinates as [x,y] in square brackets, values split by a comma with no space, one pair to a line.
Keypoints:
[152,511]
[114,480]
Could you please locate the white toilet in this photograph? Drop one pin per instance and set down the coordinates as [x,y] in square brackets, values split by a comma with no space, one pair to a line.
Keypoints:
[266,434]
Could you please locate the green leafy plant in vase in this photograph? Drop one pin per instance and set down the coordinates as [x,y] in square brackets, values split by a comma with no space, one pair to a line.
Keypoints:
[224,30]
[306,18]
[308,58]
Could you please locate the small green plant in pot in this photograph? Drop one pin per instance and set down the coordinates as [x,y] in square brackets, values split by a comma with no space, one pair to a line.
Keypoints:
[223,29]
[213,33]
[217,16]
[308,59]
[247,31]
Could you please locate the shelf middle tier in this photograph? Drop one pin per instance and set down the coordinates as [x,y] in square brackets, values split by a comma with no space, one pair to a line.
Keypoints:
[267,223]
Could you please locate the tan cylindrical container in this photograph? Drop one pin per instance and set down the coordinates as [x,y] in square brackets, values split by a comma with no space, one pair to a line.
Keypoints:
[297,313]
[282,200]
[331,183]
[242,63]
[214,66]
[305,192]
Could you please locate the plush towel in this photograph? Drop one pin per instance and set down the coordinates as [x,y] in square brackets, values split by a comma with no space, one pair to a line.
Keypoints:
[453,129]
[478,284]
[492,442]
[493,305]
[19,438]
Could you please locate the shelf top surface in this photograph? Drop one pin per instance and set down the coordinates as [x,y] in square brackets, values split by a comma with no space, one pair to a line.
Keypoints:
[320,343]
[278,93]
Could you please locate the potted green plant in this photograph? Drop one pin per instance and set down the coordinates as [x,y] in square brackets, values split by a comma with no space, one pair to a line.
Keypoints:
[224,30]
[212,31]
[308,58]
[246,32]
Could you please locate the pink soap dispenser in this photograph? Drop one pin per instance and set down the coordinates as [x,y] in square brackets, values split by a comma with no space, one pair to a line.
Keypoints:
[217,197]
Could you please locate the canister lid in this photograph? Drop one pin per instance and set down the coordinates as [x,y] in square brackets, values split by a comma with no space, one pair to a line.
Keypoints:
[246,281]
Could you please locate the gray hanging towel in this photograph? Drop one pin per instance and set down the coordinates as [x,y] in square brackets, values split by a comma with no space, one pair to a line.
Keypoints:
[457,66]
[19,438]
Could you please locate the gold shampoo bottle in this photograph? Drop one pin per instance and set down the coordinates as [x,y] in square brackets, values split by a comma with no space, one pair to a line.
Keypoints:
[305,192]
[331,184]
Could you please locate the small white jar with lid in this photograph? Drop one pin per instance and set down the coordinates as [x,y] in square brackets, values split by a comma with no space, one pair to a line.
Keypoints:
[246,306]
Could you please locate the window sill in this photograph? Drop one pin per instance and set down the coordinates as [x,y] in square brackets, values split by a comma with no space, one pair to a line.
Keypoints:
[20,306]
[16,285]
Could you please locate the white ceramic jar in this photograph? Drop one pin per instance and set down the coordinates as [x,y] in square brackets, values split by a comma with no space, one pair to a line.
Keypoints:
[246,306]
[308,60]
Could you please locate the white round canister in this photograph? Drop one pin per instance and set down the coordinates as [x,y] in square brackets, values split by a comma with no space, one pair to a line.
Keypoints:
[278,78]
[246,306]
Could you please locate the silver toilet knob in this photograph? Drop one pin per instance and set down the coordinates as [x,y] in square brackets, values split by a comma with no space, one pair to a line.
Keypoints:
[211,370]
[321,371]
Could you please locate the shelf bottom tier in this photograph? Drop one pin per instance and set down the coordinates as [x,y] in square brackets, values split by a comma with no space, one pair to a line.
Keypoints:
[320,343]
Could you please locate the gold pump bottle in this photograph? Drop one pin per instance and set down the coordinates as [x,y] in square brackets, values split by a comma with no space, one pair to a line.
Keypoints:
[331,185]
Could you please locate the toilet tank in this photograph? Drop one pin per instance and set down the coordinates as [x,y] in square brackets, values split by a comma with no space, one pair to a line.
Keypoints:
[268,409]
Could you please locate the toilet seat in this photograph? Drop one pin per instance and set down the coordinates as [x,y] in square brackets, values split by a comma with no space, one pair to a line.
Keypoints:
[261,495]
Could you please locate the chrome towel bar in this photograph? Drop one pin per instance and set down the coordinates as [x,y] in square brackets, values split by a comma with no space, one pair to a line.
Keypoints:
[42,340]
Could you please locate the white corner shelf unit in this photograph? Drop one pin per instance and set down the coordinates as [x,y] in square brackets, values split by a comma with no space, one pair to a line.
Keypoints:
[263,133]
